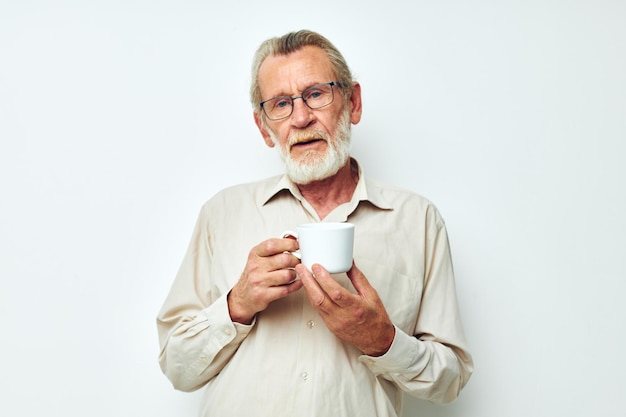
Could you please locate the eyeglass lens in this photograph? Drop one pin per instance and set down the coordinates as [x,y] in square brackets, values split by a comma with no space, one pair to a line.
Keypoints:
[315,97]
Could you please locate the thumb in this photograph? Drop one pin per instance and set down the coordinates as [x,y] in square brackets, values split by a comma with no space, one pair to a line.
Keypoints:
[360,283]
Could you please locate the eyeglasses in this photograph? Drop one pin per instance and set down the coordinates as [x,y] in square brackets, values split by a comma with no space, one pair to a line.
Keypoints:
[315,97]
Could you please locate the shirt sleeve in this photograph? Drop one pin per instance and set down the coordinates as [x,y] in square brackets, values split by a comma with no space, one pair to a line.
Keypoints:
[423,368]
[196,334]
[432,361]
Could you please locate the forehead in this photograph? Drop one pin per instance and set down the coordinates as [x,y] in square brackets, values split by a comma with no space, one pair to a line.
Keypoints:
[290,74]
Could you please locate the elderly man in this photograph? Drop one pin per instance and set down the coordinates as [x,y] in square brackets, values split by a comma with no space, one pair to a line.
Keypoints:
[266,336]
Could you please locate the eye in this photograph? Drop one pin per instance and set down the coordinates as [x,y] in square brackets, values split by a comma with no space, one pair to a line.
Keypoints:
[313,93]
[281,102]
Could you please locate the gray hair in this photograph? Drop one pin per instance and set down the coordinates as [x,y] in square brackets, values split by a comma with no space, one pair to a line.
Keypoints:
[292,42]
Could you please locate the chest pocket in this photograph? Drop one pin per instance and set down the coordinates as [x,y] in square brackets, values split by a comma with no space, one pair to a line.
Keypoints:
[400,293]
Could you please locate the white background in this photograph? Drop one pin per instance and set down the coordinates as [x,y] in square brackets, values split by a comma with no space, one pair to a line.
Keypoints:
[118,119]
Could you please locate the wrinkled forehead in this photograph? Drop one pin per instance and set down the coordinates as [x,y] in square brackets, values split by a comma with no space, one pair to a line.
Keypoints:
[292,73]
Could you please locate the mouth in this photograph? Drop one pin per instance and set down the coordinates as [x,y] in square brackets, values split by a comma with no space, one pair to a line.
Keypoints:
[307,143]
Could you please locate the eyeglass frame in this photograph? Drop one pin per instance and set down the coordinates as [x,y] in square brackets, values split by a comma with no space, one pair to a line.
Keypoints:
[301,96]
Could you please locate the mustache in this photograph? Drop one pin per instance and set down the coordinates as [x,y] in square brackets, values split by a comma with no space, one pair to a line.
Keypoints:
[307,135]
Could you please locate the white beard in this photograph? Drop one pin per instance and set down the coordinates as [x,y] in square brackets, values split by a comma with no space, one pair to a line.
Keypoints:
[313,166]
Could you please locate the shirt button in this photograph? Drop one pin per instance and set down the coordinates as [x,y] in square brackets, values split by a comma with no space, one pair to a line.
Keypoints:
[305,376]
[310,324]
[227,332]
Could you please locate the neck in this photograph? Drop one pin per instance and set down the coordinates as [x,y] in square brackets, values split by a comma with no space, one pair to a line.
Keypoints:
[327,194]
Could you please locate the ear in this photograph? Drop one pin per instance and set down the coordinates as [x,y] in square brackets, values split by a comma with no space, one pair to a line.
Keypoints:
[356,106]
[266,136]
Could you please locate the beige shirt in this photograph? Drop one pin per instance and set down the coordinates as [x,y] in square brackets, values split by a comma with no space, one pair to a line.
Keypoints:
[287,363]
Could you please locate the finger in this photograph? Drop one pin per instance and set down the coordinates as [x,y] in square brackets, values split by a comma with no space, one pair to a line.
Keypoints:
[288,287]
[274,246]
[334,291]
[284,260]
[280,277]
[280,291]
[307,278]
[314,292]
[359,281]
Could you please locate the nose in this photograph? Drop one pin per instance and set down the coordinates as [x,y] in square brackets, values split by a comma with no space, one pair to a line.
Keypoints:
[302,115]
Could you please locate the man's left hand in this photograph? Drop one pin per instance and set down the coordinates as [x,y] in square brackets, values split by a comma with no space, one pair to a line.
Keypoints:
[359,319]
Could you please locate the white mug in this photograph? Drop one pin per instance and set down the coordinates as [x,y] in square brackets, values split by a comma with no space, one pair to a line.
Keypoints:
[328,244]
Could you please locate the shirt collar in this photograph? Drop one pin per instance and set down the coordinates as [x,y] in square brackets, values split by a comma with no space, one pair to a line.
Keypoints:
[365,190]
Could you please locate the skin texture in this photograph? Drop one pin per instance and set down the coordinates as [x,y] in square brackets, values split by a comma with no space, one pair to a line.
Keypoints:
[270,272]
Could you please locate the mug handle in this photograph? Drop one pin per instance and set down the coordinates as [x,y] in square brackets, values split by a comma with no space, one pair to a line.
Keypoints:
[291,234]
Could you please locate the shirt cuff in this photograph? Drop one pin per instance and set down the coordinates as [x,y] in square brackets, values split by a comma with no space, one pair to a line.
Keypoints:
[226,331]
[399,357]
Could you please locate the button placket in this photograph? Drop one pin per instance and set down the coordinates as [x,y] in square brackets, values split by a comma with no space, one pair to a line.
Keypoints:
[309,334]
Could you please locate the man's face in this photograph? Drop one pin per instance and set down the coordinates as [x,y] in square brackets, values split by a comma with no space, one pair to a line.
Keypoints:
[314,144]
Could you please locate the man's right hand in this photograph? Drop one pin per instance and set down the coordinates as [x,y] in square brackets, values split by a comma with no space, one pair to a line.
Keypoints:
[268,276]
